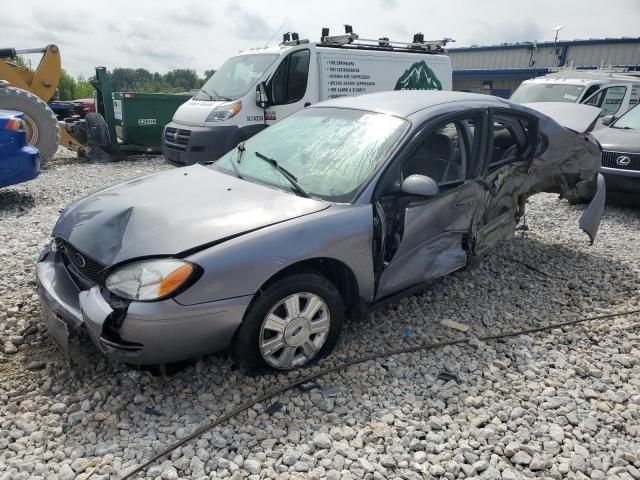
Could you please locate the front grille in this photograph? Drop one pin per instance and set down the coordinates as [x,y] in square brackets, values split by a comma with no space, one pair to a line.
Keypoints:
[176,138]
[82,264]
[618,160]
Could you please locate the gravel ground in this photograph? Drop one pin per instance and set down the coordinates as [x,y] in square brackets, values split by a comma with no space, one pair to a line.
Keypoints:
[559,404]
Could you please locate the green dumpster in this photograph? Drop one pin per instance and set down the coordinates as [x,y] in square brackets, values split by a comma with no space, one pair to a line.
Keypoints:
[140,117]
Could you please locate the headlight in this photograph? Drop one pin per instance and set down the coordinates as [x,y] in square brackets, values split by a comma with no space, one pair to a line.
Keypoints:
[149,279]
[224,111]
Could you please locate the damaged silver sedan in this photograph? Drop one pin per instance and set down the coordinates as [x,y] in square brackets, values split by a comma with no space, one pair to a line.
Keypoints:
[328,213]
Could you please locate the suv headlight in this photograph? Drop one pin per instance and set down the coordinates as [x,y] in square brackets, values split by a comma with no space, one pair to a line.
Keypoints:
[224,111]
[150,279]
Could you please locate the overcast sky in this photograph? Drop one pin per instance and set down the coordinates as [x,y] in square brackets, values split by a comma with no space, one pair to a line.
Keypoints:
[161,35]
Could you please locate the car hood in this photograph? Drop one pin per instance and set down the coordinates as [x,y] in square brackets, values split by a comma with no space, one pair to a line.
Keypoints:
[574,116]
[174,212]
[618,139]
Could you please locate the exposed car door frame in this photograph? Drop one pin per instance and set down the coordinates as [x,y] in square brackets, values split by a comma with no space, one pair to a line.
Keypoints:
[479,238]
[530,137]
[388,182]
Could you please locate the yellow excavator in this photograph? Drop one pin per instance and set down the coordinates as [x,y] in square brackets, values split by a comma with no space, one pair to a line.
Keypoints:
[28,91]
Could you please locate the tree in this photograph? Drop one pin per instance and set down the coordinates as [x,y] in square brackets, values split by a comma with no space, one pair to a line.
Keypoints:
[207,75]
[66,86]
[182,79]
[83,89]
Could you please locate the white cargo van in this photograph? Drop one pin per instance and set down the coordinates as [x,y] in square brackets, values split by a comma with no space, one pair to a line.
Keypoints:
[614,93]
[259,87]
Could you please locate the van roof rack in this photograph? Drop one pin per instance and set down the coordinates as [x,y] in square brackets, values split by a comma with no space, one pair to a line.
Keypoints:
[353,40]
[292,38]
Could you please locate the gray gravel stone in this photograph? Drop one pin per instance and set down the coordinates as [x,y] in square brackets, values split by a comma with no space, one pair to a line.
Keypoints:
[538,462]
[323,441]
[521,458]
[252,466]
[66,473]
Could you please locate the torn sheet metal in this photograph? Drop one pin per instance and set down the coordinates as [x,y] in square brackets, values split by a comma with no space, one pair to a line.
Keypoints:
[590,220]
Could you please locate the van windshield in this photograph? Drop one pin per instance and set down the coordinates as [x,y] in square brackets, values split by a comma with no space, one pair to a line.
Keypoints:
[546,92]
[235,77]
[329,152]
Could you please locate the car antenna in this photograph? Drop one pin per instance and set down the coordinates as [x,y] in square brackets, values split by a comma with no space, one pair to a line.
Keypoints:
[274,34]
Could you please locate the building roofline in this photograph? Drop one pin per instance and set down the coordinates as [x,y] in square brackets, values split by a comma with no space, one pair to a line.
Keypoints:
[560,43]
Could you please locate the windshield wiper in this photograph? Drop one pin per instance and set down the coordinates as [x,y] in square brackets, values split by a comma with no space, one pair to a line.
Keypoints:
[240,148]
[215,95]
[285,173]
[206,93]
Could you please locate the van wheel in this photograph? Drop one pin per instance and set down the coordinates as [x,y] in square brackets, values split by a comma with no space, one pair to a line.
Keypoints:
[293,323]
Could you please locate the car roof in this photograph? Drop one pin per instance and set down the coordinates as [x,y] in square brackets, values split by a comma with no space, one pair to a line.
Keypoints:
[404,103]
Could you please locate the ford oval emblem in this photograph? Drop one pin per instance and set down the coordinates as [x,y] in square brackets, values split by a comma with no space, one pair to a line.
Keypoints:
[623,161]
[79,260]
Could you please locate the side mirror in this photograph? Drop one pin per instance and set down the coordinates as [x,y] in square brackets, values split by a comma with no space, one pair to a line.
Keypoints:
[262,99]
[608,120]
[420,185]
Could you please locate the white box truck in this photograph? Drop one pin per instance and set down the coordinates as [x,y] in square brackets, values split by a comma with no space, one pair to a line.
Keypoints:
[259,87]
[613,92]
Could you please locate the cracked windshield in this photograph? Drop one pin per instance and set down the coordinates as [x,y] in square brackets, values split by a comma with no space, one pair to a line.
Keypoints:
[330,152]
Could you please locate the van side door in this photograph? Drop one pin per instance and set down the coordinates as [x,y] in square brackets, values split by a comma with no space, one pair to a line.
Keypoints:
[289,87]
[611,100]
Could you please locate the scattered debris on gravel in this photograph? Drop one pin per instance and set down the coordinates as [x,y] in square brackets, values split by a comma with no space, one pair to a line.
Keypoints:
[560,404]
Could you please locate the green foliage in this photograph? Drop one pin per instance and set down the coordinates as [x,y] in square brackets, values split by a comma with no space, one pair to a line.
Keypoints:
[20,61]
[70,88]
[134,80]
[141,80]
[66,86]
[83,89]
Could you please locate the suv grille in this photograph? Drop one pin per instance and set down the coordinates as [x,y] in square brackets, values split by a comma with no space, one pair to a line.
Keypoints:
[614,159]
[82,264]
[176,138]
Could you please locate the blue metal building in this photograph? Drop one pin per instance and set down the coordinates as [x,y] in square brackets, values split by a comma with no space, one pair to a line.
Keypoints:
[499,69]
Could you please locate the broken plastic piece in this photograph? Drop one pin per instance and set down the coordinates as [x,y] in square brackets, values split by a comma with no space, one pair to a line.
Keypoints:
[329,392]
[152,411]
[408,331]
[308,386]
[273,408]
[455,325]
[448,376]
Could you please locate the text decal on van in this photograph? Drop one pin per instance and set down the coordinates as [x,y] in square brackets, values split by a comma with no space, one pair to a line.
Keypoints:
[418,77]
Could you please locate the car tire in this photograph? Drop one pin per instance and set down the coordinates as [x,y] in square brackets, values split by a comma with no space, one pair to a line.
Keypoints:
[40,119]
[273,336]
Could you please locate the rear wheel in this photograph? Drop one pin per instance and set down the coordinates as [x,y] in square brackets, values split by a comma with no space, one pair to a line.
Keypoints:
[293,323]
[42,125]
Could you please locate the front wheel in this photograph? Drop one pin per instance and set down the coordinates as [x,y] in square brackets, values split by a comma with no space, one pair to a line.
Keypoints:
[293,323]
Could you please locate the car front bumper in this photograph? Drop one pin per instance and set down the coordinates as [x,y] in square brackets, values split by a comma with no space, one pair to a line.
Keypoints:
[144,333]
[622,181]
[186,145]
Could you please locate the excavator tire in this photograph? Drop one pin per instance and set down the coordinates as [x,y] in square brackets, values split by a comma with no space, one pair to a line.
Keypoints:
[42,125]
